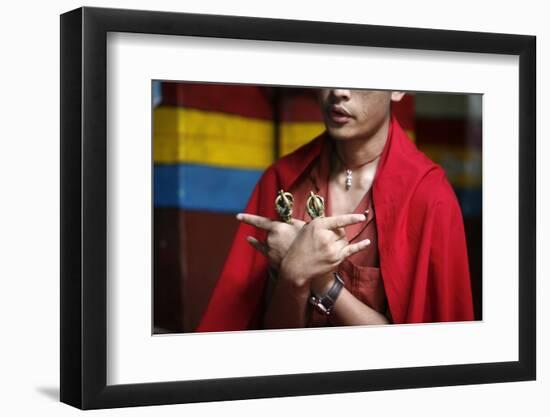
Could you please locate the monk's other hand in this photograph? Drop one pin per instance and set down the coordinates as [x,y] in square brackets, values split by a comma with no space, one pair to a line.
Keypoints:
[280,236]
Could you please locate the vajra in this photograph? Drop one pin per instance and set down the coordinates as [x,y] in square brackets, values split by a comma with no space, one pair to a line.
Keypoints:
[284,202]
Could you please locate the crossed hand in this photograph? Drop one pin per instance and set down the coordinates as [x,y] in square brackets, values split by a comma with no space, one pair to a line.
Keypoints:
[303,251]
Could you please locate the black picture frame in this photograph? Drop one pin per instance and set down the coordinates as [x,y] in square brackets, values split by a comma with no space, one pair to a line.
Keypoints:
[84,207]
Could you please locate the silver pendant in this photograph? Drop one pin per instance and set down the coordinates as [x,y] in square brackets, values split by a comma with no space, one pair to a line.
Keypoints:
[348,179]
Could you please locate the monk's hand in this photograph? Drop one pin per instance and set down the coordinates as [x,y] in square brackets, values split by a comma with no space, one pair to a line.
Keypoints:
[319,248]
[279,236]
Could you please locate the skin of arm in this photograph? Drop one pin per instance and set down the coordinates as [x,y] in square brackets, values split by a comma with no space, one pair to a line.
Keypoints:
[348,310]
[289,306]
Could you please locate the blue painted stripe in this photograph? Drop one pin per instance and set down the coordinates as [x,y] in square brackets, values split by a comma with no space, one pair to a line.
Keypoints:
[157,93]
[201,187]
[227,190]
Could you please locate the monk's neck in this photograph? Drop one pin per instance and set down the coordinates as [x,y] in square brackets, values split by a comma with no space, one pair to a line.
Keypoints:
[354,153]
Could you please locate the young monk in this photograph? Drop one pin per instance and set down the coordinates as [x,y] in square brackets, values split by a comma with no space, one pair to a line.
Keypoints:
[386,242]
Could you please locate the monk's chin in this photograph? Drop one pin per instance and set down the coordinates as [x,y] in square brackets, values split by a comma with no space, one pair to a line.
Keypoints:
[341,133]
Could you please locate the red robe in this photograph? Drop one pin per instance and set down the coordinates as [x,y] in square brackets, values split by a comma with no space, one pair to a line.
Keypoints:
[421,240]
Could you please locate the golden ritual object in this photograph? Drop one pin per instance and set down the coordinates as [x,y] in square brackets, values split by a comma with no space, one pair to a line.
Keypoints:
[283,204]
[315,205]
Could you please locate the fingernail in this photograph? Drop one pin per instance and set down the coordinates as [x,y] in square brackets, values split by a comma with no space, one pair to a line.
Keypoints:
[239,216]
[367,242]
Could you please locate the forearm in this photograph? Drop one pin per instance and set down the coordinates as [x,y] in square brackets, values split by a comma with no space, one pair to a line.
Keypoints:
[287,307]
[349,311]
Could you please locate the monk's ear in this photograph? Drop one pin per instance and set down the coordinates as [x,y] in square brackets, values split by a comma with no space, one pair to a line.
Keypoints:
[397,95]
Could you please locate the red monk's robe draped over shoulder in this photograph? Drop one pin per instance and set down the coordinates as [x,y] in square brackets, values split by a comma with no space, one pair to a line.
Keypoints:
[421,241]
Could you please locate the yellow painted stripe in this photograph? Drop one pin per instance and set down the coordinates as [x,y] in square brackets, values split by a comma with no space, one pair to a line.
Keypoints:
[463,166]
[183,135]
[195,136]
[294,135]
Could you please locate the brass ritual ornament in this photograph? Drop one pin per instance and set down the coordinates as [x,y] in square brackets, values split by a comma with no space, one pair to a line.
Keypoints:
[315,205]
[283,204]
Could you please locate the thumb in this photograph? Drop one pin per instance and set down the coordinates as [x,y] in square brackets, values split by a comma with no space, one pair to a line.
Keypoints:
[256,244]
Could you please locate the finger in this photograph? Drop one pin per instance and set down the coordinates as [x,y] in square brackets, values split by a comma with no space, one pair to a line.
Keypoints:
[342,220]
[256,244]
[257,221]
[354,248]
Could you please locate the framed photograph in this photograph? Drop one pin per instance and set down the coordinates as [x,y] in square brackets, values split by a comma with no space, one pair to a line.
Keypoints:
[173,123]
